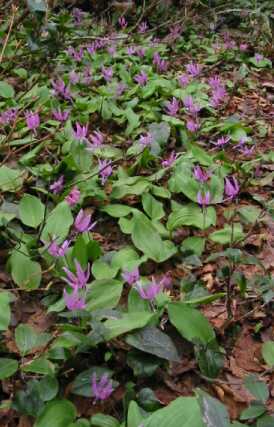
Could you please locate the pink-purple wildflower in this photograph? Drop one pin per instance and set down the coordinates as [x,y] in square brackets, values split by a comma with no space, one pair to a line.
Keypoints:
[203,199]
[131,277]
[231,187]
[141,78]
[223,140]
[56,250]
[172,107]
[184,80]
[73,197]
[122,22]
[149,291]
[192,125]
[73,300]
[101,388]
[146,140]
[168,162]
[200,174]
[8,116]
[193,69]
[83,223]
[107,73]
[97,140]
[74,77]
[33,120]
[143,27]
[57,186]
[105,170]
[79,279]
[60,89]
[81,132]
[60,116]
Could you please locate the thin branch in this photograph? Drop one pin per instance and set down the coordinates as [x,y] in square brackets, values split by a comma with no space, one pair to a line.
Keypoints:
[14,10]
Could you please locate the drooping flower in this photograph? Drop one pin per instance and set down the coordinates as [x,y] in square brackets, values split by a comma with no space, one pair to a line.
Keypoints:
[146,140]
[81,132]
[218,96]
[131,277]
[74,77]
[143,27]
[258,57]
[58,185]
[60,116]
[105,170]
[231,187]
[107,73]
[131,50]
[167,163]
[83,223]
[243,47]
[200,174]
[111,50]
[192,125]
[79,279]
[60,89]
[141,51]
[101,388]
[122,22]
[161,64]
[183,80]
[73,197]
[73,300]
[190,105]
[172,107]
[8,116]
[166,281]
[141,78]
[78,15]
[56,250]
[120,88]
[214,82]
[193,69]
[223,140]
[203,199]
[33,120]
[77,55]
[150,291]
[87,76]
[97,140]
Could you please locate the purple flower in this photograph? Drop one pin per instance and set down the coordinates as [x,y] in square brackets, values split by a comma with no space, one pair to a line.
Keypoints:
[214,82]
[218,94]
[203,199]
[58,185]
[73,300]
[78,280]
[105,170]
[60,116]
[141,51]
[131,50]
[146,140]
[97,139]
[258,57]
[167,163]
[120,88]
[60,89]
[231,187]
[76,55]
[243,47]
[8,116]
[131,276]
[172,107]
[107,73]
[101,388]
[91,48]
[166,281]
[150,291]
[192,125]
[183,80]
[74,77]
[73,197]
[143,27]
[193,69]
[223,140]
[161,64]
[122,22]
[77,15]
[87,76]
[175,32]
[33,120]
[56,250]
[141,78]
[81,132]
[200,174]
[190,106]
[82,222]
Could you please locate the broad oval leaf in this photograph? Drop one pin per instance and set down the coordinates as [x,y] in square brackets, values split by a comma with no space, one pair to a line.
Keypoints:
[58,222]
[57,413]
[31,210]
[7,367]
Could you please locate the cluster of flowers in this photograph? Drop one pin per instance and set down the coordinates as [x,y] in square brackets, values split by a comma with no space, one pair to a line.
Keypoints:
[152,289]
[218,91]
[8,116]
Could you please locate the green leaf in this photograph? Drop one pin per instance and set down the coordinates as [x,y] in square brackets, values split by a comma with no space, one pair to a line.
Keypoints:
[228,234]
[6,90]
[58,223]
[8,367]
[27,274]
[5,298]
[48,388]
[152,340]
[214,413]
[26,338]
[265,421]
[249,214]
[268,353]
[128,322]
[117,211]
[191,215]
[57,413]
[103,270]
[82,383]
[143,364]
[160,132]
[125,259]
[154,247]
[256,387]
[31,210]
[182,412]
[41,366]
[194,244]
[152,207]
[37,5]
[191,324]
[101,420]
[253,411]
[104,294]
[10,179]
[134,416]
